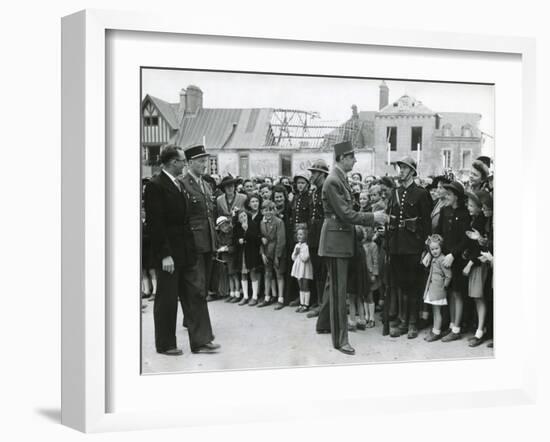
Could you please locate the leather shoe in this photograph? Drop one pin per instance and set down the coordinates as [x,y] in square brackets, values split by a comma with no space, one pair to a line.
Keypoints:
[279,306]
[207,348]
[413,332]
[431,337]
[294,303]
[323,332]
[243,301]
[172,352]
[264,303]
[211,297]
[451,337]
[347,349]
[313,313]
[253,302]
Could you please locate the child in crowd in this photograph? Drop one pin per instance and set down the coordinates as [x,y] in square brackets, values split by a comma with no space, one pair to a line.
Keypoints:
[364,205]
[439,279]
[475,270]
[302,269]
[358,284]
[226,254]
[373,271]
[272,230]
[375,199]
[247,237]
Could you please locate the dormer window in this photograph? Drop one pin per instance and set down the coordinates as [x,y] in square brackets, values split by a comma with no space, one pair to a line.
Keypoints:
[447,130]
[467,131]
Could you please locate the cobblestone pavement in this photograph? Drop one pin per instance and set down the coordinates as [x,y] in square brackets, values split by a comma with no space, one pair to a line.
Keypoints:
[252,337]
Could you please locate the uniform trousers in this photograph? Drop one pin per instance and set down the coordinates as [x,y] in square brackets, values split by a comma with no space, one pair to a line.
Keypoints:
[182,284]
[333,314]
[319,276]
[204,271]
[406,274]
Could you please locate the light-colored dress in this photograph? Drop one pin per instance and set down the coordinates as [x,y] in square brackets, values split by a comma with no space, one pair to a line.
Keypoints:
[438,281]
[302,268]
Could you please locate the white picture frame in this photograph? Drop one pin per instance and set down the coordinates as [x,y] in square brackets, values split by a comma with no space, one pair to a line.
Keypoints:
[86,356]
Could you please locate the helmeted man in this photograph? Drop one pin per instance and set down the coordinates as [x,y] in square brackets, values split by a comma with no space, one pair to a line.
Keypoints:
[319,172]
[409,209]
[337,241]
[201,211]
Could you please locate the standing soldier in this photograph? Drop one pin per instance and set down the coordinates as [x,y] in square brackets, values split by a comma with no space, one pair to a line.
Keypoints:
[337,241]
[201,212]
[409,209]
[319,172]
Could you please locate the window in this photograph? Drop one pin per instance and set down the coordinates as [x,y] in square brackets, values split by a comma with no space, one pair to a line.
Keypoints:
[467,131]
[151,121]
[416,138]
[243,165]
[153,154]
[447,130]
[446,157]
[391,137]
[286,164]
[466,161]
[213,164]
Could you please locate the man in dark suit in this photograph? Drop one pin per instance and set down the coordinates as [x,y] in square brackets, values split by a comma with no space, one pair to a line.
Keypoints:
[174,256]
[201,213]
[410,209]
[337,241]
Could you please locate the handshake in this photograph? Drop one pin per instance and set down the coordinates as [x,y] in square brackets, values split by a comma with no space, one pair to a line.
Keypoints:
[380,217]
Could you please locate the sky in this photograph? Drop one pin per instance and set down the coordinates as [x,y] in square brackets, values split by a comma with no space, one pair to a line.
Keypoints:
[331,97]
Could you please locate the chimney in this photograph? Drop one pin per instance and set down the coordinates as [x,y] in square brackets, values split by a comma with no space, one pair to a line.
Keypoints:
[193,100]
[182,101]
[384,95]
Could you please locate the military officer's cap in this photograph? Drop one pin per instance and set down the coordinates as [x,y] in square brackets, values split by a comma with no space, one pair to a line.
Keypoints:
[343,148]
[409,162]
[319,166]
[194,152]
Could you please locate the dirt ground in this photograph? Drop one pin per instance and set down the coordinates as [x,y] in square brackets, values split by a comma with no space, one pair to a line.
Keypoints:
[252,337]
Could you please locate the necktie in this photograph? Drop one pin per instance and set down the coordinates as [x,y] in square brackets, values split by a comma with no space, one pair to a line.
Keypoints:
[177,185]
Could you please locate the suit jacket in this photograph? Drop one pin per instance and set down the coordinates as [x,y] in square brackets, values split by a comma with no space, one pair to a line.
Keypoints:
[222,209]
[337,238]
[168,222]
[201,213]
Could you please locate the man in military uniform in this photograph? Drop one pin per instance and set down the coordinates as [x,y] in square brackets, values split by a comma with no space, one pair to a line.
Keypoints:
[201,213]
[409,209]
[319,172]
[337,241]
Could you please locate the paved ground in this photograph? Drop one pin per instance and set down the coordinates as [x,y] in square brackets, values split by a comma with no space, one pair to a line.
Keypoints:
[254,337]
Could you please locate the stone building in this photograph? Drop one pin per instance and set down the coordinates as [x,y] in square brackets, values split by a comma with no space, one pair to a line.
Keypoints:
[436,140]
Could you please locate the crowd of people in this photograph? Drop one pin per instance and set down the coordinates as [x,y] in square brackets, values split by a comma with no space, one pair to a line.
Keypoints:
[410,252]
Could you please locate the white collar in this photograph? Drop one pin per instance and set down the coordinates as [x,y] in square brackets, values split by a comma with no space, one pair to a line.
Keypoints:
[171,177]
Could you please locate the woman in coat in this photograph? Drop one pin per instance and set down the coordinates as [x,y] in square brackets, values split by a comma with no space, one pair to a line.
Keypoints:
[454,221]
[248,241]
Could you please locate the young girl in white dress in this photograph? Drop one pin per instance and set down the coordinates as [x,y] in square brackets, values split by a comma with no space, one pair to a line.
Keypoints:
[302,269]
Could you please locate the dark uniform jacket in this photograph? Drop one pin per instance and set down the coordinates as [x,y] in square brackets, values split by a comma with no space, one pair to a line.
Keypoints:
[300,210]
[410,220]
[317,216]
[338,233]
[201,213]
[167,218]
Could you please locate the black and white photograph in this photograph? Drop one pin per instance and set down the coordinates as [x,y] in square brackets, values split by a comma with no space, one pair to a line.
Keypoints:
[299,221]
